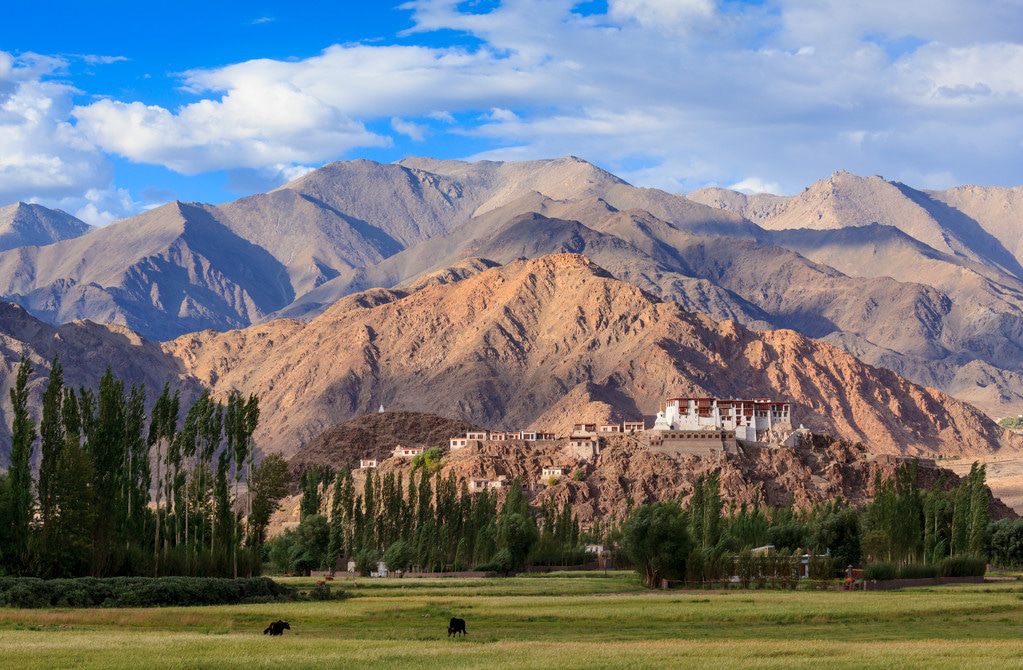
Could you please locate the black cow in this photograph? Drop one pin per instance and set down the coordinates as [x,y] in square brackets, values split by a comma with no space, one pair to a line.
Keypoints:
[456,626]
[276,628]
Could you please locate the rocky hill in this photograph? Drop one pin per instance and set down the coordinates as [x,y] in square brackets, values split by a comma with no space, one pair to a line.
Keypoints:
[601,487]
[375,436]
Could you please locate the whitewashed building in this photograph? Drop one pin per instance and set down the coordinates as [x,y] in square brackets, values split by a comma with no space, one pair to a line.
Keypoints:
[748,419]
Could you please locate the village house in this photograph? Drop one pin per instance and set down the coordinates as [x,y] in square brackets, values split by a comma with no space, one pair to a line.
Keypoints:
[368,463]
[584,447]
[584,429]
[610,428]
[480,435]
[499,437]
[408,452]
[458,443]
[634,426]
[478,484]
[554,471]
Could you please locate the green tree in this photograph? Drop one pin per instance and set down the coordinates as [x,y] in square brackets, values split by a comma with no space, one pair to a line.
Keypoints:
[19,474]
[980,514]
[51,433]
[655,539]
[398,556]
[269,483]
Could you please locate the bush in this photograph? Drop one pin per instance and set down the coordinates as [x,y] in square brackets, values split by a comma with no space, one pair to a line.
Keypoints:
[962,566]
[579,475]
[880,571]
[30,592]
[917,571]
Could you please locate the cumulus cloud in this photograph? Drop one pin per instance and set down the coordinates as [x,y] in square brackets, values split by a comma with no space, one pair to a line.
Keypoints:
[671,93]
[41,153]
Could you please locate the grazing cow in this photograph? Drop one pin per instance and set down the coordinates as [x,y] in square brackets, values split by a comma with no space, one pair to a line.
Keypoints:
[456,626]
[276,628]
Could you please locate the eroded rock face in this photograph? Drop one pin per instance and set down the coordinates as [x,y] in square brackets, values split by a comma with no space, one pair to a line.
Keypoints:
[626,470]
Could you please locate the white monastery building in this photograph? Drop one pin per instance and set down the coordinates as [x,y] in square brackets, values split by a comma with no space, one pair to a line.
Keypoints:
[750,420]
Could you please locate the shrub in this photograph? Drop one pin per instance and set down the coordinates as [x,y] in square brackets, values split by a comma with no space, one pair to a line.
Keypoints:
[579,475]
[26,592]
[917,571]
[962,566]
[880,571]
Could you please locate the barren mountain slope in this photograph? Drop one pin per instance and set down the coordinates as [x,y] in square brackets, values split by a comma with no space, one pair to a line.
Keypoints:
[171,269]
[86,350]
[23,225]
[757,208]
[500,349]
[918,331]
[999,211]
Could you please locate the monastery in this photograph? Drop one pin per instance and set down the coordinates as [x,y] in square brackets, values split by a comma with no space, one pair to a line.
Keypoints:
[696,424]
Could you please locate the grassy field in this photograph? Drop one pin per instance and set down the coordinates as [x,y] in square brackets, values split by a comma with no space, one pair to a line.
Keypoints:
[560,621]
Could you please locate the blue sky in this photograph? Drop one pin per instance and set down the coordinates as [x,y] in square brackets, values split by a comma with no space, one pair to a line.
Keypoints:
[110,108]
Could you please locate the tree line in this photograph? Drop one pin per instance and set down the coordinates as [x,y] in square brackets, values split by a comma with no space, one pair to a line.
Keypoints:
[904,524]
[120,493]
[428,522]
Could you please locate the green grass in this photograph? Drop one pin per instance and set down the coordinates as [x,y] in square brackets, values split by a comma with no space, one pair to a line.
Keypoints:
[553,621]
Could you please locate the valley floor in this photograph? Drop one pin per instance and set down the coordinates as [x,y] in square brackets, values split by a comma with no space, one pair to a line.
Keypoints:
[560,621]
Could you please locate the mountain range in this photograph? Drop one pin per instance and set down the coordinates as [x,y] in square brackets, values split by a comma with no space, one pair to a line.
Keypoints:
[246,295]
[542,343]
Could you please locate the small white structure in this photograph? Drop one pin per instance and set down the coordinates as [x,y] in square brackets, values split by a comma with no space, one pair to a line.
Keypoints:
[634,426]
[554,471]
[381,410]
[527,436]
[480,435]
[610,428]
[368,463]
[408,452]
[381,570]
[499,437]
[476,485]
[458,443]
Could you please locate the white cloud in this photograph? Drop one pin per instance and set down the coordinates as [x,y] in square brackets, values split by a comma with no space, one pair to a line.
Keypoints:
[41,153]
[751,185]
[670,93]
[98,206]
[660,13]
[414,131]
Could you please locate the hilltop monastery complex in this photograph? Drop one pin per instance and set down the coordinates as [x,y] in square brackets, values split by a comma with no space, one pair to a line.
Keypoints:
[683,426]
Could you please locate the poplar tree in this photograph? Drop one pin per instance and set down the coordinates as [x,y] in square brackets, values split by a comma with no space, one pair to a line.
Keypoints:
[19,474]
[52,441]
[980,514]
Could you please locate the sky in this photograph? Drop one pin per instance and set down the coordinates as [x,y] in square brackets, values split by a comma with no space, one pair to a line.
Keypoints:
[111,108]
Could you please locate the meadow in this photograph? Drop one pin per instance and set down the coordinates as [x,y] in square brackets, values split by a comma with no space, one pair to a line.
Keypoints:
[559,621]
